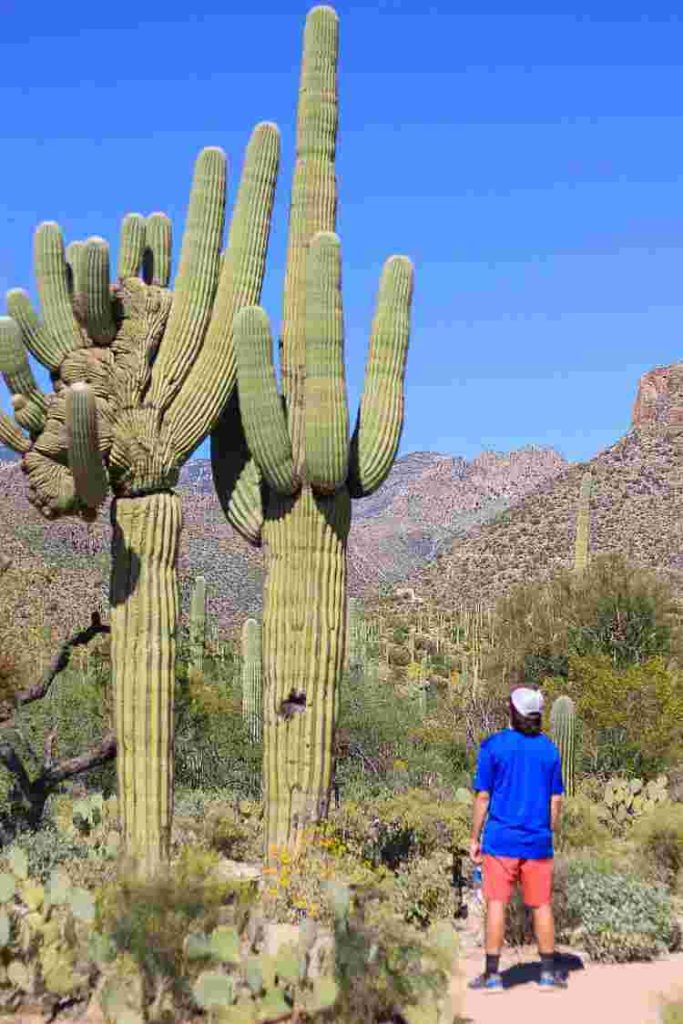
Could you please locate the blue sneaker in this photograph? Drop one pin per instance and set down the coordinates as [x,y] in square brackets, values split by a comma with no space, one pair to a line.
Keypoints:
[551,981]
[487,983]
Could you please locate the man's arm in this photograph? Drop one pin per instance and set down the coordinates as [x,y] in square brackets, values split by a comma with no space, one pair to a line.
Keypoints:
[555,811]
[479,812]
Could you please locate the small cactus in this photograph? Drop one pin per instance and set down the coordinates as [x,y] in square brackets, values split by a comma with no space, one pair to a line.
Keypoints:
[252,679]
[198,623]
[563,731]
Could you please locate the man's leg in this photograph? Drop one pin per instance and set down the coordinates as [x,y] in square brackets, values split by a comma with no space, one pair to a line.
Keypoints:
[537,876]
[499,877]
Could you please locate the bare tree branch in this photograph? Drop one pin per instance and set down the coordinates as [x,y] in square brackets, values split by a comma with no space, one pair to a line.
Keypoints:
[57,665]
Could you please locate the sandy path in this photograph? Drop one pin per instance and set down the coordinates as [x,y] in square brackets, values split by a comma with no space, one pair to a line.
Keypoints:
[626,993]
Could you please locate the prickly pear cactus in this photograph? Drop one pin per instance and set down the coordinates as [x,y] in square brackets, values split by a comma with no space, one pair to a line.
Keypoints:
[627,799]
[140,375]
[290,480]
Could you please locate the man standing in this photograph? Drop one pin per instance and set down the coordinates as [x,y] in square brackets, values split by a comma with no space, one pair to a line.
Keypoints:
[519,794]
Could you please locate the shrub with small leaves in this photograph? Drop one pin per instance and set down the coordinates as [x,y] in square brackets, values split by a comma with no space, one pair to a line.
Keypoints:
[616,917]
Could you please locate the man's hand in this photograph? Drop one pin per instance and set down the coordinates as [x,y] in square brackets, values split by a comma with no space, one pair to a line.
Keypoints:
[475,851]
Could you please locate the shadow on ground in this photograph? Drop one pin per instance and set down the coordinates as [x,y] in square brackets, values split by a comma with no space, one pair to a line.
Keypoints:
[523,974]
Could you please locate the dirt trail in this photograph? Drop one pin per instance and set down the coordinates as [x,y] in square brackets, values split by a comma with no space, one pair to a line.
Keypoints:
[624,993]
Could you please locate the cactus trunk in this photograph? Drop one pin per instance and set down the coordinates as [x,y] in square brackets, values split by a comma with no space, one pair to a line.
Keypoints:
[144,620]
[303,647]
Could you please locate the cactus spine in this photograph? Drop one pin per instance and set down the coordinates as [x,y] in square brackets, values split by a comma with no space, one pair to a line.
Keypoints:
[583,525]
[290,479]
[563,731]
[252,679]
[140,376]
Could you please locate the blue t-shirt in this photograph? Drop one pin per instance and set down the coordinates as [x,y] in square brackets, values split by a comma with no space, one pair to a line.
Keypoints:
[520,773]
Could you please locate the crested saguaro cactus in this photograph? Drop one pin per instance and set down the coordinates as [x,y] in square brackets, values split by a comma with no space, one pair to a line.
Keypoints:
[198,623]
[563,732]
[252,679]
[140,376]
[583,524]
[290,481]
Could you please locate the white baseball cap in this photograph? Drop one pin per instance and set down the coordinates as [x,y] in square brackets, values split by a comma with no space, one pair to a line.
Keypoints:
[527,701]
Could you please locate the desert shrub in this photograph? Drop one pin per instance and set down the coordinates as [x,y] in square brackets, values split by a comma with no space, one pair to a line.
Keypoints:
[150,919]
[213,749]
[234,830]
[424,889]
[387,969]
[46,849]
[644,702]
[658,838]
[624,613]
[580,826]
[615,917]
[392,830]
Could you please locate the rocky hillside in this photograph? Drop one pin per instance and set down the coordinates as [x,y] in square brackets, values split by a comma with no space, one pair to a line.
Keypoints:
[58,570]
[637,509]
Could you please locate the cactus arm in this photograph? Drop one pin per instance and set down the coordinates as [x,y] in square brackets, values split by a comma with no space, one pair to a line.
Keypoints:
[99,317]
[263,417]
[195,411]
[53,290]
[28,401]
[85,463]
[583,526]
[35,334]
[51,485]
[11,435]
[380,419]
[157,255]
[195,284]
[235,474]
[131,245]
[325,408]
[313,202]
[77,279]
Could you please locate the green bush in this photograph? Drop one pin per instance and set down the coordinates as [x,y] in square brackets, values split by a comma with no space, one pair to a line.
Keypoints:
[392,830]
[658,837]
[615,917]
[580,826]
[424,889]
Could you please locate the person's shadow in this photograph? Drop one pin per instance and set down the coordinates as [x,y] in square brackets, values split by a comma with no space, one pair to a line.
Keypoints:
[523,974]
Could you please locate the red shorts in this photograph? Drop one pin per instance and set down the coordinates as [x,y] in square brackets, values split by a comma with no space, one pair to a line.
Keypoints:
[502,873]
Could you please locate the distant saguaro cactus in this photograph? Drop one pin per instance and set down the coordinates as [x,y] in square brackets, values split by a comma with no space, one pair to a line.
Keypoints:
[291,480]
[583,524]
[563,732]
[355,640]
[198,623]
[140,376]
[252,679]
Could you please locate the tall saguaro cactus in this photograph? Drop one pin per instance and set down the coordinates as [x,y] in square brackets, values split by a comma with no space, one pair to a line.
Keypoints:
[563,732]
[252,679]
[140,376]
[290,480]
[583,524]
[198,623]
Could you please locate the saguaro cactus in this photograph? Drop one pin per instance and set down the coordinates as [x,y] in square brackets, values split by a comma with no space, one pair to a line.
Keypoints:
[198,623]
[140,376]
[583,524]
[290,481]
[252,679]
[563,732]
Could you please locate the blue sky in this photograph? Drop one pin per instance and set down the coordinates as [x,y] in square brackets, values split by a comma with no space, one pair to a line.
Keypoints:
[527,156]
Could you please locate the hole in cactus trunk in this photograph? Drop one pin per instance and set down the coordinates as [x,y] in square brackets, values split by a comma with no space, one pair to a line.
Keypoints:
[295,704]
